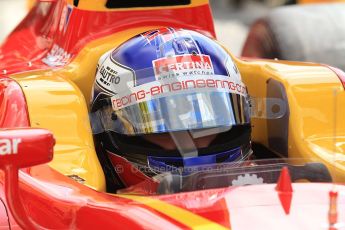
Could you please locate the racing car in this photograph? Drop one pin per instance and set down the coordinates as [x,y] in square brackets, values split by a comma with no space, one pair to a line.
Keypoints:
[51,176]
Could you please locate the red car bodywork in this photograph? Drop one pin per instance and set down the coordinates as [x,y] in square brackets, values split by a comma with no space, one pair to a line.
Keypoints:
[54,201]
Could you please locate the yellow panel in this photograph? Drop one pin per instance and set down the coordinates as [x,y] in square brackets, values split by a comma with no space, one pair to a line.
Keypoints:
[56,104]
[316,123]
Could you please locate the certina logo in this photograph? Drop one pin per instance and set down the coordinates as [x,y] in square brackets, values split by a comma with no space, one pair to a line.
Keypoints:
[9,146]
[183,65]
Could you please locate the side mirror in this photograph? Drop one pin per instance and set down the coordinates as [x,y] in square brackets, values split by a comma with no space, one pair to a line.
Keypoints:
[20,148]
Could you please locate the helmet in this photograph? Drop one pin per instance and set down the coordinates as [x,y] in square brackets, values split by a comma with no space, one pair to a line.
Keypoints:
[171,84]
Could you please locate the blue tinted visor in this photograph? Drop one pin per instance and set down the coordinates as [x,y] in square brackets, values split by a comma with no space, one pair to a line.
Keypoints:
[176,103]
[190,111]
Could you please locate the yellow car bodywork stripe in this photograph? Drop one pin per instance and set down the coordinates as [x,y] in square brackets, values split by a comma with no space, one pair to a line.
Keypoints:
[181,215]
[99,5]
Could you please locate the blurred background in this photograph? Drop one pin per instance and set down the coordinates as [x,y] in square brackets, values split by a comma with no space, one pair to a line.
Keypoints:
[232,18]
[11,13]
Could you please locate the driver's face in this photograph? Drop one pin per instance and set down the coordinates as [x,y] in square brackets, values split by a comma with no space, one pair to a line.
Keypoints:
[166,141]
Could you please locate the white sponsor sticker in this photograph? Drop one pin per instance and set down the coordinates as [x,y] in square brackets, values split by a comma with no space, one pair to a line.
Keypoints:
[112,76]
[179,85]
[57,56]
[9,146]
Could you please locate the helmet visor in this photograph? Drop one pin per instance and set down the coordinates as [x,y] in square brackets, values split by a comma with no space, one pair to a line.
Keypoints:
[197,102]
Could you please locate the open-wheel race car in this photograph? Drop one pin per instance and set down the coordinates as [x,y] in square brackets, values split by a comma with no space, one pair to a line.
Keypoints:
[57,171]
